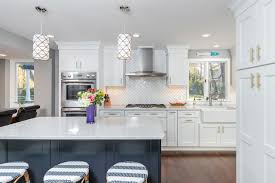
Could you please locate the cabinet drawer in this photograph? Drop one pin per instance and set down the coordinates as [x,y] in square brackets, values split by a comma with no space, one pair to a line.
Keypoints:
[189,114]
[111,113]
[189,120]
[158,114]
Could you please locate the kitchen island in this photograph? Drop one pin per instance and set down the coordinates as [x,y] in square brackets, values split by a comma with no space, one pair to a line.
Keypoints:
[46,141]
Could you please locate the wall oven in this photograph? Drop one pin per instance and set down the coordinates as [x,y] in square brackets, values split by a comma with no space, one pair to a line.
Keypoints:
[71,84]
[73,112]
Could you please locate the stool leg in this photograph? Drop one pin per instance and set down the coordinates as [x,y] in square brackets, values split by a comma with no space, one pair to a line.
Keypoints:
[27,177]
[85,179]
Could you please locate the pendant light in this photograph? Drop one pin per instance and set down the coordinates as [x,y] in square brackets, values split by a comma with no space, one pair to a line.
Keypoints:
[124,40]
[41,42]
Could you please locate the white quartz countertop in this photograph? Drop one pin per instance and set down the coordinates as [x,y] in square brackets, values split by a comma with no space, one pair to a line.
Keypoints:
[76,128]
[169,108]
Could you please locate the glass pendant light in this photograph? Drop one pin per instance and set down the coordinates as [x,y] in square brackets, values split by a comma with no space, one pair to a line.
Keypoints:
[124,40]
[41,42]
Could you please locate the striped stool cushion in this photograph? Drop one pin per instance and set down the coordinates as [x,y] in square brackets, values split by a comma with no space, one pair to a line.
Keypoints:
[67,172]
[12,170]
[127,172]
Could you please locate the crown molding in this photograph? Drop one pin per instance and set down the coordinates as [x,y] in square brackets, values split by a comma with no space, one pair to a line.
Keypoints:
[89,45]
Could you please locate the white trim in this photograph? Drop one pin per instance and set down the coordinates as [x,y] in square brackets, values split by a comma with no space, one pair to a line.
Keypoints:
[198,149]
[227,62]
[89,45]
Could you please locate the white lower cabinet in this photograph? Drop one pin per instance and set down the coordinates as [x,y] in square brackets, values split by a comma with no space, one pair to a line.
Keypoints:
[209,134]
[111,113]
[228,135]
[172,129]
[184,129]
[188,132]
[213,135]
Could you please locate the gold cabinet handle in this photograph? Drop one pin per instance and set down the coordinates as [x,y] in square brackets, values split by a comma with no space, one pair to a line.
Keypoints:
[252,77]
[223,129]
[258,53]
[251,55]
[258,80]
[219,129]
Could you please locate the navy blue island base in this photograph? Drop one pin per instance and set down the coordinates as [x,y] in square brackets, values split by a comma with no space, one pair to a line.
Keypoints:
[100,154]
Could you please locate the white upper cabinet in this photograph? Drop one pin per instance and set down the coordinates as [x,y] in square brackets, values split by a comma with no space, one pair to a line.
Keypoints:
[268,30]
[114,69]
[248,38]
[178,66]
[255,34]
[76,56]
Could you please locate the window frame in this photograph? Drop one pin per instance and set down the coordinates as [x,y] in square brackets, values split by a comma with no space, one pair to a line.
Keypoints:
[16,76]
[206,61]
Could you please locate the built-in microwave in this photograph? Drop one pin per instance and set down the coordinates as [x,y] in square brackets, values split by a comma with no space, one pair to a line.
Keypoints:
[72,83]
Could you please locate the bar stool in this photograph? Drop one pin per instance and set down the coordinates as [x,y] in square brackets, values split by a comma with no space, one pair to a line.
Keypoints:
[68,172]
[127,172]
[13,171]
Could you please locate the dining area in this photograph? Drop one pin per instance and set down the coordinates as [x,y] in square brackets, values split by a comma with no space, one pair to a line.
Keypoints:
[13,115]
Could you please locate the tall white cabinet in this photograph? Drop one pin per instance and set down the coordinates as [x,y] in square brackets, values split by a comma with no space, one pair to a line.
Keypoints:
[256,88]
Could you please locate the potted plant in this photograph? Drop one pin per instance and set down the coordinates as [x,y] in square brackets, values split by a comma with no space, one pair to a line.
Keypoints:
[90,99]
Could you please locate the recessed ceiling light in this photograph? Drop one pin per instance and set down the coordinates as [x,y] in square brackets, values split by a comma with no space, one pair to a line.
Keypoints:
[216,46]
[50,36]
[3,55]
[136,35]
[205,35]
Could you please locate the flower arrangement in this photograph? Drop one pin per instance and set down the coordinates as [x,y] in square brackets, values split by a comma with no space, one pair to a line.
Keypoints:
[91,97]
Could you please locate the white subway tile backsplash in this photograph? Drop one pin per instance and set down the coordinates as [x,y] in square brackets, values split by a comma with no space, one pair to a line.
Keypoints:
[145,90]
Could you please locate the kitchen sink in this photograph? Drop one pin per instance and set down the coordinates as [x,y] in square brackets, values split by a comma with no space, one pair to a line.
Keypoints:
[218,114]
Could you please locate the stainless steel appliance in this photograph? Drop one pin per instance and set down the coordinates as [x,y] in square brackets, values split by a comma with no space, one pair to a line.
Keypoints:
[71,84]
[145,106]
[144,64]
[73,112]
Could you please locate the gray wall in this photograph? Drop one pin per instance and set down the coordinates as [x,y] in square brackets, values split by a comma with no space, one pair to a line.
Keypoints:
[2,83]
[44,85]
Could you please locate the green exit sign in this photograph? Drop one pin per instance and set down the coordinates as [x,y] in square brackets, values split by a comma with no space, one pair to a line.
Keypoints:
[214,53]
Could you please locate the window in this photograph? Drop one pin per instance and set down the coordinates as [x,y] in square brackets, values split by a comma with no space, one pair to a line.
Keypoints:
[208,78]
[24,83]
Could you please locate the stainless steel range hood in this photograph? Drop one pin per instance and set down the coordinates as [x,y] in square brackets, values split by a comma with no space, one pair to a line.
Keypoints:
[144,64]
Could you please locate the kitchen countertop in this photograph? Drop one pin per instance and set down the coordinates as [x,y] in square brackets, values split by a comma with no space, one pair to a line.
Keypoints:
[169,108]
[76,128]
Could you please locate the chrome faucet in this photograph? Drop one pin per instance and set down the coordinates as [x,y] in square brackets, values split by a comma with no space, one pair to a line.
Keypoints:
[210,97]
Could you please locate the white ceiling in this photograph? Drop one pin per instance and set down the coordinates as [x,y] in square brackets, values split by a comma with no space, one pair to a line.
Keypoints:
[160,22]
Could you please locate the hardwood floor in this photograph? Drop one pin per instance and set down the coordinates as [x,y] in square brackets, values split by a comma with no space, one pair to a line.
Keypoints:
[198,168]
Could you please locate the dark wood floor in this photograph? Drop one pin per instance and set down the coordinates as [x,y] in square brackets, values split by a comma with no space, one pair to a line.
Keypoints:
[198,168]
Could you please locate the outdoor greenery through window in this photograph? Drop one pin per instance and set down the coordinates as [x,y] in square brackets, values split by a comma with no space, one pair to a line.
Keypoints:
[207,78]
[24,83]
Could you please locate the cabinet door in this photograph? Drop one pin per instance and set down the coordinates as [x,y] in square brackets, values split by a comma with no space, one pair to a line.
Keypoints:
[250,125]
[67,61]
[164,126]
[268,87]
[113,69]
[228,135]
[178,68]
[172,126]
[209,135]
[247,36]
[87,60]
[268,25]
[187,132]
